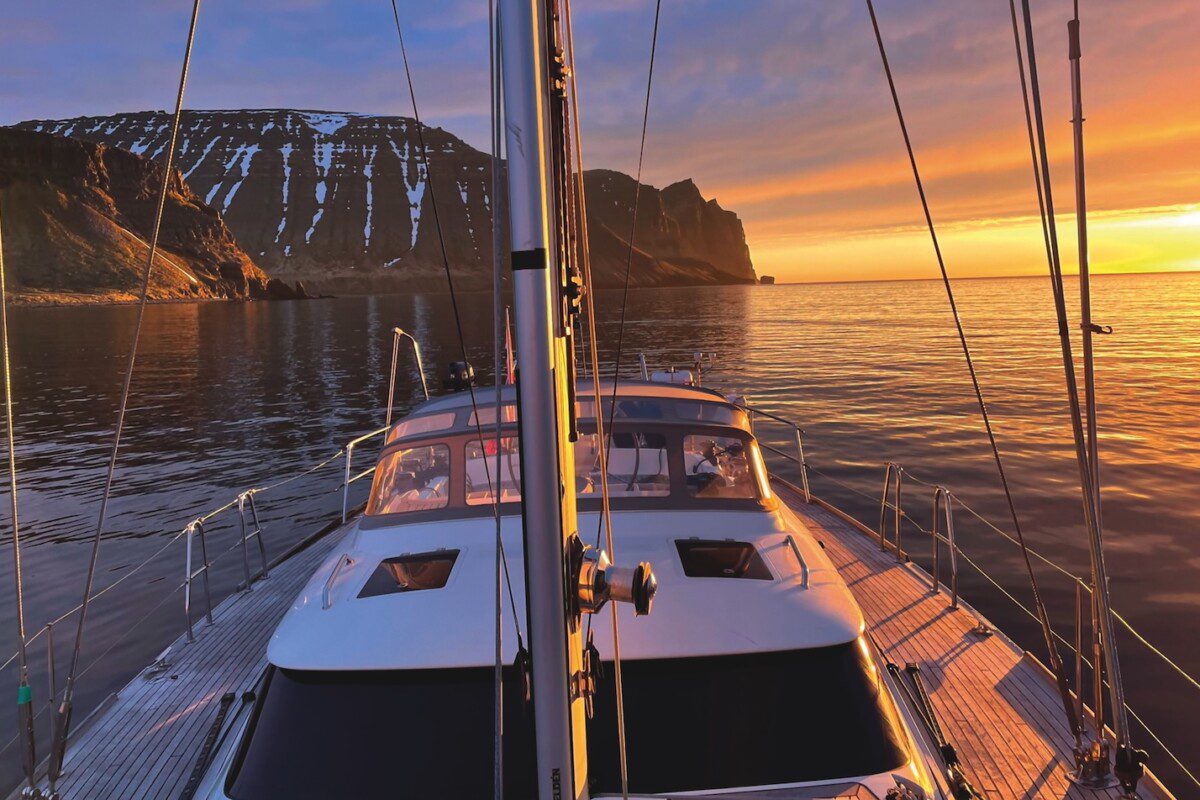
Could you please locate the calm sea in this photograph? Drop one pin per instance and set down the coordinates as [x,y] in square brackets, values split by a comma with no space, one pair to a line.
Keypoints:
[229,396]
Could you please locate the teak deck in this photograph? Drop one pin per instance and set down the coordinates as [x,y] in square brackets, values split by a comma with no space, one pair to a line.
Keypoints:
[995,702]
[145,742]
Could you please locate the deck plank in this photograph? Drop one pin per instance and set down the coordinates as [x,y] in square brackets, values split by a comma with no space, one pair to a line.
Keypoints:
[145,744]
[996,705]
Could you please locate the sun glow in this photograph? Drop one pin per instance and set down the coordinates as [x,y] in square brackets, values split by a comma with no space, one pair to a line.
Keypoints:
[1156,239]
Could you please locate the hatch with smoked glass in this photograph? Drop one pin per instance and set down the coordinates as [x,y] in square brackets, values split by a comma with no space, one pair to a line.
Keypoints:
[721,558]
[412,572]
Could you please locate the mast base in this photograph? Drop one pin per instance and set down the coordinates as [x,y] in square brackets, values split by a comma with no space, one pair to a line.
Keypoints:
[1093,768]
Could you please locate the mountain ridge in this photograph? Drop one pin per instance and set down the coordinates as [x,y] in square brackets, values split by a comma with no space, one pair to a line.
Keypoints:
[342,200]
[78,215]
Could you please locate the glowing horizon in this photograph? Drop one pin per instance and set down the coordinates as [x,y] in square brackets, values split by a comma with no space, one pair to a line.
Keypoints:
[777,109]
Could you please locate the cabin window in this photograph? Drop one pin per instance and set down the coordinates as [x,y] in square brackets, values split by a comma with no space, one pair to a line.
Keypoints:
[430,423]
[414,572]
[722,467]
[710,412]
[487,415]
[482,471]
[411,479]
[708,558]
[638,465]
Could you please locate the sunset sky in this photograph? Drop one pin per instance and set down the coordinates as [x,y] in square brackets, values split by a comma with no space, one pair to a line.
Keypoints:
[777,109]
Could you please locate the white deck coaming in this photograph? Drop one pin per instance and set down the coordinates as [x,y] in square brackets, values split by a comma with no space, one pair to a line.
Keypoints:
[584,391]
[691,616]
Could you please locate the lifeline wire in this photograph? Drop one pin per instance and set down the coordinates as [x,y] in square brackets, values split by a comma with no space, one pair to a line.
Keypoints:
[1043,616]
[63,718]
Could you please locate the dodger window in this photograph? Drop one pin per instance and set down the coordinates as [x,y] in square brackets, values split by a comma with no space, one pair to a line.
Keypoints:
[411,479]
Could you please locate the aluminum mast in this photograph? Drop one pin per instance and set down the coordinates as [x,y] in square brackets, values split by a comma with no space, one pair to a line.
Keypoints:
[548,502]
[564,578]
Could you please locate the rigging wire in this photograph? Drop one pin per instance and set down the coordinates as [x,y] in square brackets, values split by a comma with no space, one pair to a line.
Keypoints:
[1037,176]
[1087,326]
[498,339]
[580,196]
[63,717]
[1043,616]
[462,342]
[1081,456]
[637,195]
[24,692]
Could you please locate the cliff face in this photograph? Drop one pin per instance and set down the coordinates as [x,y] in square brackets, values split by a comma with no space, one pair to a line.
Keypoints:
[77,217]
[343,202]
[690,240]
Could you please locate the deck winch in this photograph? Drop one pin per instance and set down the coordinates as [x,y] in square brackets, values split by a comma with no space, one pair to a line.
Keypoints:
[597,580]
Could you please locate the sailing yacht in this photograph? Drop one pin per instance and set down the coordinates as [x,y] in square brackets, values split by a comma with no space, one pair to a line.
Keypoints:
[747,640]
[747,669]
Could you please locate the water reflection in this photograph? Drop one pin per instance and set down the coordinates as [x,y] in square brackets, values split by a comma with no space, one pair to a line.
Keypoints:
[227,396]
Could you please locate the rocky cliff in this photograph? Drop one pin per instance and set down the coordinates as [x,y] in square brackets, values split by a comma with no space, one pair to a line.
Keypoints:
[343,201]
[77,217]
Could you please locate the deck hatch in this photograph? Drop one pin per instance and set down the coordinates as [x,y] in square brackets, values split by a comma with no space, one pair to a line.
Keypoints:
[412,572]
[721,558]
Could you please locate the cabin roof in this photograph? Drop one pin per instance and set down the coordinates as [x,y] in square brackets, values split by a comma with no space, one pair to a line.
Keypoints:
[584,390]
[453,626]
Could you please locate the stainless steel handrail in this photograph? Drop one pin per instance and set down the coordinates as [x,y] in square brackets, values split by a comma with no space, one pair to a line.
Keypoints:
[943,500]
[800,459]
[244,499]
[344,560]
[799,557]
[893,476]
[348,479]
[757,410]
[803,464]
[190,575]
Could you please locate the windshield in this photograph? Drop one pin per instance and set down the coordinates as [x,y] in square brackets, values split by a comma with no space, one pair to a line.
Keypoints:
[715,722]
[411,479]
[638,466]
[649,466]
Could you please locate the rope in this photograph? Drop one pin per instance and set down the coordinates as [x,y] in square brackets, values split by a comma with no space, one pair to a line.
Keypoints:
[24,693]
[594,359]
[1043,616]
[63,719]
[458,328]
